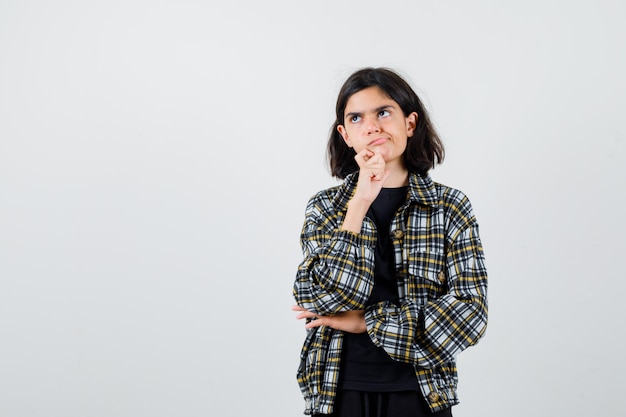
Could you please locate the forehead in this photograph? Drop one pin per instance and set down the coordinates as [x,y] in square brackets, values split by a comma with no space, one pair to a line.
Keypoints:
[369,99]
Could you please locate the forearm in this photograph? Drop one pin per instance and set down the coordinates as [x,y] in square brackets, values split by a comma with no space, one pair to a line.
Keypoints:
[353,221]
[336,275]
[426,336]
[435,331]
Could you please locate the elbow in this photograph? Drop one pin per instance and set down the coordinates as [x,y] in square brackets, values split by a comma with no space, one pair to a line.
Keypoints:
[481,319]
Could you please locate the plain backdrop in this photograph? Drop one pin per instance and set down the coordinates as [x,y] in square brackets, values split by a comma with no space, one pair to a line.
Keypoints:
[156,157]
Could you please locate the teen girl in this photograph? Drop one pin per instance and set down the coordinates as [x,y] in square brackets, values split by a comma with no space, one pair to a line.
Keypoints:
[393,283]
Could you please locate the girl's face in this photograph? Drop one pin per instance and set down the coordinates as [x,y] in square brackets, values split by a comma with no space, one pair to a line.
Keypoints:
[374,121]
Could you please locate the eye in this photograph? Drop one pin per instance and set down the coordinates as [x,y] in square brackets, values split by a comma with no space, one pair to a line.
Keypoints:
[383,113]
[355,118]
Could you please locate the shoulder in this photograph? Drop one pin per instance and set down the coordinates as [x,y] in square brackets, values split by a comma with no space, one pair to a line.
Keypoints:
[452,198]
[322,201]
[431,193]
[325,194]
[333,199]
[456,205]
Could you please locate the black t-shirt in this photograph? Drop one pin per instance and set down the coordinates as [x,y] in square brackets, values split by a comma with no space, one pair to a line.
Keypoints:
[365,367]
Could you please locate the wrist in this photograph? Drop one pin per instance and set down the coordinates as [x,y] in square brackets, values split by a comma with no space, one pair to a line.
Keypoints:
[357,209]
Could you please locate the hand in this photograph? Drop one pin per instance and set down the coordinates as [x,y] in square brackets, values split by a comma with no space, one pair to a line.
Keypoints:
[352,321]
[372,175]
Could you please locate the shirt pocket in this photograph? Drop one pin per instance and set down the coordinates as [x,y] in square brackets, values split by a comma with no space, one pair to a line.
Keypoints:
[426,278]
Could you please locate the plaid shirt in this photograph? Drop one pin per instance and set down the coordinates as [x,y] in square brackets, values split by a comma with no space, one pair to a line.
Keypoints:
[442,284]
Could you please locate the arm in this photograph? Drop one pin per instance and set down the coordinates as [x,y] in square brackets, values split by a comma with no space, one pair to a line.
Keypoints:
[352,321]
[336,273]
[431,334]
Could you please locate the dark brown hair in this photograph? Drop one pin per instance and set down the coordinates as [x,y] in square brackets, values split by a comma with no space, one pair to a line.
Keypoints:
[423,151]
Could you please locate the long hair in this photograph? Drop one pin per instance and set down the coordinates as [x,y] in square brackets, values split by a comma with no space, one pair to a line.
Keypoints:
[424,149]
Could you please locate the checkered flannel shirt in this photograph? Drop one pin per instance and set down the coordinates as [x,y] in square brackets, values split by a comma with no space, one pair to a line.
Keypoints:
[442,284]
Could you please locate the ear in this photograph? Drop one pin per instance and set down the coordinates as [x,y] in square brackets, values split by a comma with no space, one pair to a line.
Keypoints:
[344,134]
[411,124]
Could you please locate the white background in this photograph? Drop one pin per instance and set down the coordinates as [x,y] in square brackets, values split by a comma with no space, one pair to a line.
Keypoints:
[156,158]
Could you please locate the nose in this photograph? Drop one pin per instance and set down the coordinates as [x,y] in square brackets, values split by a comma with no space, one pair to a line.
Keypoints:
[372,126]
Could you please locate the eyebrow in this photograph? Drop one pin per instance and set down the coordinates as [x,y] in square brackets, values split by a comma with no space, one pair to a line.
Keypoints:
[376,110]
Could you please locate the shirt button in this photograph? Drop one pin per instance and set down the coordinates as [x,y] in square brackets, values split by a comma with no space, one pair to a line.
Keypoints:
[398,234]
[433,397]
[442,277]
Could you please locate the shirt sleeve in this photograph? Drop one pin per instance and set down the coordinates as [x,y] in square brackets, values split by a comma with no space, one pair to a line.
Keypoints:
[435,332]
[336,273]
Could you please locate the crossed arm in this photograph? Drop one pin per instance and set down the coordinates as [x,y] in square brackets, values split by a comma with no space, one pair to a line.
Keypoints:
[352,321]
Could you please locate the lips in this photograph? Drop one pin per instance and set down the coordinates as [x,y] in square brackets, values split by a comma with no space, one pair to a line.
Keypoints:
[377,142]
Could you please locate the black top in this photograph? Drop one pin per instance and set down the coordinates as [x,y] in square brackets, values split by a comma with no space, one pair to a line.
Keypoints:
[365,367]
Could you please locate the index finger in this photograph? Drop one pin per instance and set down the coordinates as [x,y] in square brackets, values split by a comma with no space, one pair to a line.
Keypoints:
[363,156]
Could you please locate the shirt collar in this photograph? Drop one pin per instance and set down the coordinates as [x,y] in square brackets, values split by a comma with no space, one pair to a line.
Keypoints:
[421,190]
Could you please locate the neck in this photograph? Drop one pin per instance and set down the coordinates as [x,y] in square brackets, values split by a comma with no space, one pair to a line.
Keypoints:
[397,178]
